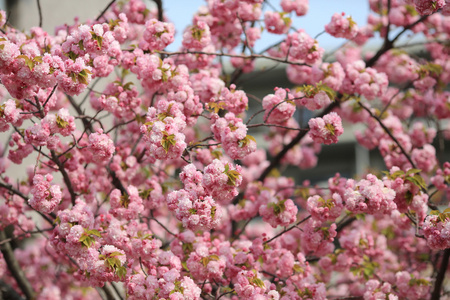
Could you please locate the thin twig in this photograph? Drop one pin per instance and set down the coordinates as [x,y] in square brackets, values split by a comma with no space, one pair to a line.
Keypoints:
[40,12]
[276,125]
[104,11]
[251,56]
[162,225]
[390,134]
[288,229]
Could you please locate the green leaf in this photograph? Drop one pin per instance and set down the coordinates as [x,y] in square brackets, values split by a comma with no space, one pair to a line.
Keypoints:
[124,200]
[329,91]
[258,282]
[61,123]
[330,128]
[167,141]
[97,38]
[188,248]
[128,85]
[278,208]
[197,33]
[413,171]
[418,181]
[184,265]
[121,272]
[80,45]
[246,141]
[94,232]
[213,212]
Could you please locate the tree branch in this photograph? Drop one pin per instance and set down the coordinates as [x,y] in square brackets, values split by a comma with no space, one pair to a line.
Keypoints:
[14,268]
[289,229]
[7,292]
[390,134]
[251,56]
[104,11]
[440,276]
[66,177]
[160,10]
[277,159]
[40,12]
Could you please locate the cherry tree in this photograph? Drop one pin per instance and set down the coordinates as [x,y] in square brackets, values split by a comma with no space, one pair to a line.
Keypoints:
[150,177]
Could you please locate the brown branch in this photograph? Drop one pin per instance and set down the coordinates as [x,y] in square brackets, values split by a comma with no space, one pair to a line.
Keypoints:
[14,268]
[389,44]
[277,159]
[21,195]
[7,292]
[390,134]
[87,125]
[440,276]
[66,177]
[51,93]
[251,56]
[288,229]
[104,11]
[276,125]
[40,12]
[109,292]
[160,10]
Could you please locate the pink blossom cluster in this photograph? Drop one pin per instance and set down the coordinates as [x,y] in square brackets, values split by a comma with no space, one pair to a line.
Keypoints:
[157,184]
[322,210]
[221,180]
[46,197]
[101,147]
[342,27]
[299,46]
[197,36]
[231,132]
[9,114]
[119,98]
[277,23]
[163,130]
[436,230]
[279,107]
[126,206]
[279,212]
[427,7]
[157,35]
[365,81]
[327,129]
[299,6]
[369,195]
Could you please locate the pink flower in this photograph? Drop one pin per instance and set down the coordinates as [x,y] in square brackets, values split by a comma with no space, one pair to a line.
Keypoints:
[341,27]
[221,180]
[427,7]
[102,147]
[279,212]
[197,36]
[45,196]
[327,129]
[278,108]
[277,22]
[299,6]
[157,35]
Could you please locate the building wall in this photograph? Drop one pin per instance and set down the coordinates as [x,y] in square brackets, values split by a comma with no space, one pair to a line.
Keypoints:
[24,13]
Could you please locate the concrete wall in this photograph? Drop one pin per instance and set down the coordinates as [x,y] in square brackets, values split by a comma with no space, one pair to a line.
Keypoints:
[24,13]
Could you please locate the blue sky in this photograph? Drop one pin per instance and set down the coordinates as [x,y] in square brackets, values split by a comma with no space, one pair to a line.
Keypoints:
[320,11]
